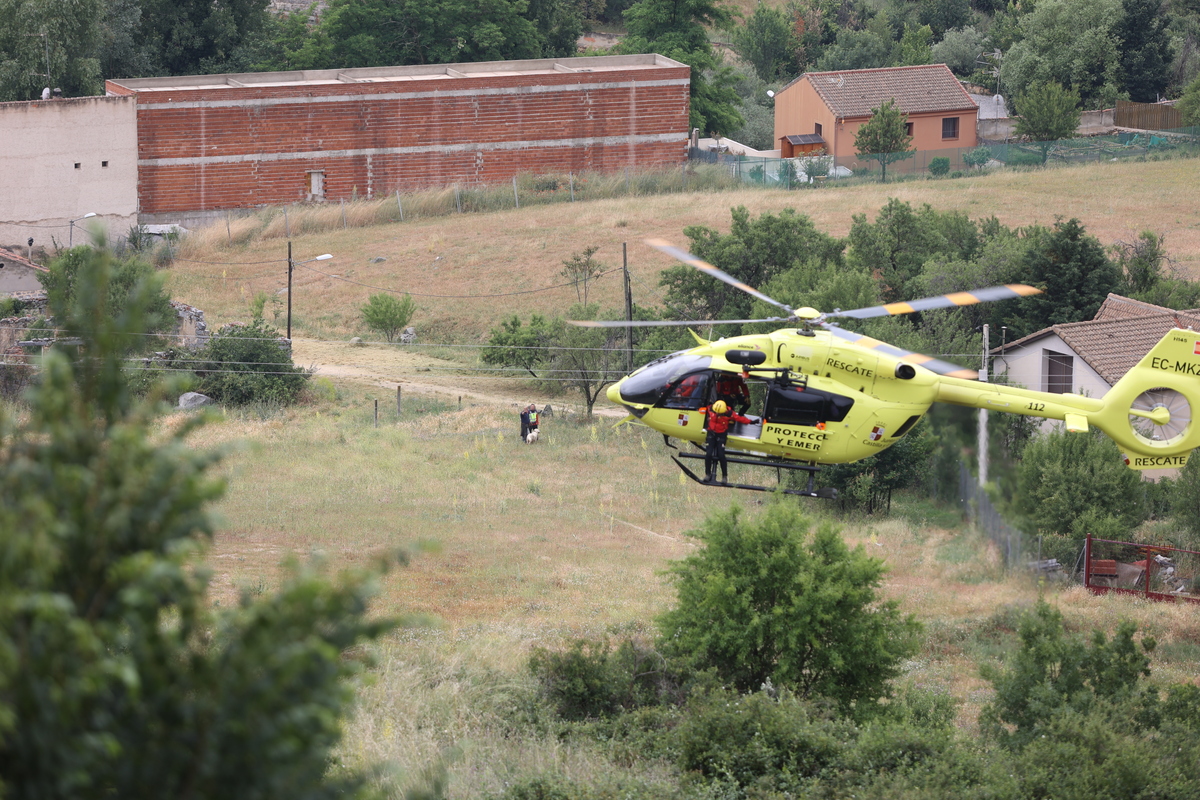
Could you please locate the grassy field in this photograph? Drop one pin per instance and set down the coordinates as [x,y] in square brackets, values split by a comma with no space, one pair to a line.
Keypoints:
[539,544]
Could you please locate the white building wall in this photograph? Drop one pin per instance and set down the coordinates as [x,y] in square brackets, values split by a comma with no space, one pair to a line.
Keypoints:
[1025,367]
[62,159]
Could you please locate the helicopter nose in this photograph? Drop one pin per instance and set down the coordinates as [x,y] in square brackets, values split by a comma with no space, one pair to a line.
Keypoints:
[614,393]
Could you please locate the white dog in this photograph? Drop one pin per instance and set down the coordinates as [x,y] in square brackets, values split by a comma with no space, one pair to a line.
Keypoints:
[532,436]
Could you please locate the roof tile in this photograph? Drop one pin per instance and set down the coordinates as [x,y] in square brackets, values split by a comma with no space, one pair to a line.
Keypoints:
[924,89]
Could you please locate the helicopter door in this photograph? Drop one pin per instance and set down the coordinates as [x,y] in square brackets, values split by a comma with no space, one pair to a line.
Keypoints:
[791,405]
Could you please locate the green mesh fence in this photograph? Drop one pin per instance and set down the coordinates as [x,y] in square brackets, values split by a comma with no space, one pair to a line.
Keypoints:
[788,173]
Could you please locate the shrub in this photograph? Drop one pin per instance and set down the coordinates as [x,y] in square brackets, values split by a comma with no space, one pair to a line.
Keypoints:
[977,157]
[388,314]
[765,600]
[247,364]
[939,166]
[758,739]
[592,680]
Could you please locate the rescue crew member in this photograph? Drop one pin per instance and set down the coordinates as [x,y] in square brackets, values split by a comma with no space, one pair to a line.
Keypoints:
[720,415]
[732,389]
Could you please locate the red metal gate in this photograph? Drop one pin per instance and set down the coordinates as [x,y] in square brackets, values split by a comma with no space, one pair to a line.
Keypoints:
[1151,571]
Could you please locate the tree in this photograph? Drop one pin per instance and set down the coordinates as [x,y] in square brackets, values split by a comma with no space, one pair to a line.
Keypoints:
[118,677]
[1075,483]
[127,280]
[248,364]
[754,251]
[581,269]
[676,29]
[856,49]
[943,15]
[1185,502]
[1074,273]
[896,246]
[586,359]
[959,50]
[388,314]
[915,46]
[884,138]
[1053,672]
[774,599]
[514,345]
[1069,42]
[768,43]
[372,33]
[188,37]
[1048,113]
[1145,50]
[49,36]
[1189,104]
[867,485]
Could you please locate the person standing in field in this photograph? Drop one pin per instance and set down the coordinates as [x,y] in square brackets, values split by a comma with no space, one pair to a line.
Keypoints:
[524,424]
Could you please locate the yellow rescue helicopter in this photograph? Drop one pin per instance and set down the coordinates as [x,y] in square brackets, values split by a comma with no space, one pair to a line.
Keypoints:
[831,396]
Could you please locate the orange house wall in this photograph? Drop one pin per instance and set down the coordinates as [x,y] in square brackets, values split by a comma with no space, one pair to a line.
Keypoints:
[799,106]
[212,148]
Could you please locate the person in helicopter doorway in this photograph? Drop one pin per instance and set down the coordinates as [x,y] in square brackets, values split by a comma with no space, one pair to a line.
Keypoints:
[720,415]
[731,388]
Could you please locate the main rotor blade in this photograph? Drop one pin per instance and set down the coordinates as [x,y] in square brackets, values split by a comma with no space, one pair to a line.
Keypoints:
[952,300]
[648,323]
[928,362]
[709,269]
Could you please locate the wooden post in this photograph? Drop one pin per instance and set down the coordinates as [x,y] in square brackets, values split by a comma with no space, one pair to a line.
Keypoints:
[571,175]
[287,226]
[628,309]
[343,213]
[457,199]
[376,413]
[228,230]
[397,400]
[399,205]
[516,197]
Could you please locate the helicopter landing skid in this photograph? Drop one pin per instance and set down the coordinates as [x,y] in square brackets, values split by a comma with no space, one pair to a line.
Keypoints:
[828,492]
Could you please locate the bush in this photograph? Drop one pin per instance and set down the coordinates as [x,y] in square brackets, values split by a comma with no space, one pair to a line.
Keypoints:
[1020,158]
[591,680]
[757,739]
[247,364]
[388,314]
[977,157]
[939,166]
[766,600]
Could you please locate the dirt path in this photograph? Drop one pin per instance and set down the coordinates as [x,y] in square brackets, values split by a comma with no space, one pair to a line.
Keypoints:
[390,366]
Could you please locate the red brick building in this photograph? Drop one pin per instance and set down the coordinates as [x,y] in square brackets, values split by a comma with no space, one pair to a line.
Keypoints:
[215,142]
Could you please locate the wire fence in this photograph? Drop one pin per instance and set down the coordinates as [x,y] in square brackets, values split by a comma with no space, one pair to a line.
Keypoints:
[815,171]
[979,509]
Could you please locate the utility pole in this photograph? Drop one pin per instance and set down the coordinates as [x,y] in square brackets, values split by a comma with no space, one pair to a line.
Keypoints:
[290,267]
[628,309]
[983,415]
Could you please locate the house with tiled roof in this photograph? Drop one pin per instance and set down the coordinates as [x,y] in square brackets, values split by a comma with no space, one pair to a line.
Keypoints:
[1089,357]
[824,110]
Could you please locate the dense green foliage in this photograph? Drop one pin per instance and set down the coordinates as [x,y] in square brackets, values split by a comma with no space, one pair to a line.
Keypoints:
[249,364]
[779,599]
[388,314]
[126,279]
[117,677]
[1077,483]
[884,137]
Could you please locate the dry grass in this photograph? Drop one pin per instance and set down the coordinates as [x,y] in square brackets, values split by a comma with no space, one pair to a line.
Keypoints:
[491,254]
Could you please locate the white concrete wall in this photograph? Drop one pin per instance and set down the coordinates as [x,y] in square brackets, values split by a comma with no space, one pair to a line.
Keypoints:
[41,143]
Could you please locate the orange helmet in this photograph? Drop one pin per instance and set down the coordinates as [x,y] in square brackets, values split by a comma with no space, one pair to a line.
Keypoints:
[720,407]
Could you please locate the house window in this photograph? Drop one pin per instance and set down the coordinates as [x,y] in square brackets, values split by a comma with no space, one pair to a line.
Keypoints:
[77,165]
[817,128]
[1058,372]
[316,185]
[104,163]
[950,128]
[908,129]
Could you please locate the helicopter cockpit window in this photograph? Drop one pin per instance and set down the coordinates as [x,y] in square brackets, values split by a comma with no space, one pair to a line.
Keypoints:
[794,406]
[648,385]
[689,393]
